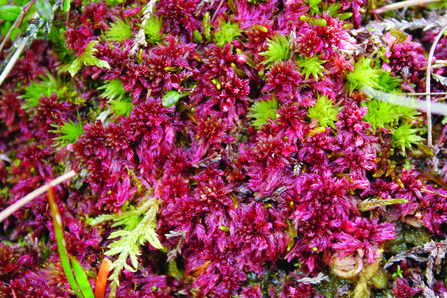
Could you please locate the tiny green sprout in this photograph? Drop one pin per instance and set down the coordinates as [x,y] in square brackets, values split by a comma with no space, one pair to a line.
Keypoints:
[389,83]
[298,264]
[263,110]
[333,11]
[153,29]
[227,33]
[404,137]
[314,6]
[119,31]
[36,90]
[398,273]
[70,132]
[334,8]
[381,114]
[279,49]
[325,111]
[85,58]
[311,66]
[362,75]
[121,107]
[113,90]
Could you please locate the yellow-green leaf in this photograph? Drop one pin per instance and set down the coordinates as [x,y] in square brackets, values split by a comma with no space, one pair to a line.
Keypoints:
[9,12]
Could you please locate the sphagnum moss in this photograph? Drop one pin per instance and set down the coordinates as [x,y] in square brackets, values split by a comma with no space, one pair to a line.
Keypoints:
[237,140]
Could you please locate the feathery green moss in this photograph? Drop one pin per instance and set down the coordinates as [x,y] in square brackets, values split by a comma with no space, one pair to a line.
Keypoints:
[119,31]
[325,111]
[227,33]
[278,49]
[363,74]
[264,110]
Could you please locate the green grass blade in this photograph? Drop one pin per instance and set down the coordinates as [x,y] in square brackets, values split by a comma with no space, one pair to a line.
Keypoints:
[81,279]
[65,261]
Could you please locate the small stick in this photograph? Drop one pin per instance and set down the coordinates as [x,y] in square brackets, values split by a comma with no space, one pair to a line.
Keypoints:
[400,5]
[31,196]
[428,87]
[432,192]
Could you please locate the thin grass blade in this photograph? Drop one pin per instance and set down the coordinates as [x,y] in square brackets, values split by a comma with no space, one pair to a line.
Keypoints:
[81,279]
[65,261]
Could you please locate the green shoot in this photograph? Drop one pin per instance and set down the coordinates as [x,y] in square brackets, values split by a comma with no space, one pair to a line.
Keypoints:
[121,107]
[333,11]
[70,132]
[385,115]
[404,137]
[135,234]
[279,49]
[382,114]
[47,87]
[325,111]
[119,31]
[153,28]
[311,66]
[85,58]
[227,33]
[389,83]
[362,75]
[264,110]
[113,90]
[398,273]
[314,6]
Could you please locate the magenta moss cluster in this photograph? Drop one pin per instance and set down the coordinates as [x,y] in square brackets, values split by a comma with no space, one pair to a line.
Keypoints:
[246,120]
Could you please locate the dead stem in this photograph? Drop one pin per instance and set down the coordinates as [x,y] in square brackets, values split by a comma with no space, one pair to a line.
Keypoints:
[426,93]
[428,87]
[16,55]
[403,4]
[31,196]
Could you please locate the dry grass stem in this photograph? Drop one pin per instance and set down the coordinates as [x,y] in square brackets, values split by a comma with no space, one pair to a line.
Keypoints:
[403,4]
[31,196]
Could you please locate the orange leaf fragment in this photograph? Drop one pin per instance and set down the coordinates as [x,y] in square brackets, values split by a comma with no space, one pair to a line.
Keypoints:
[101,282]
